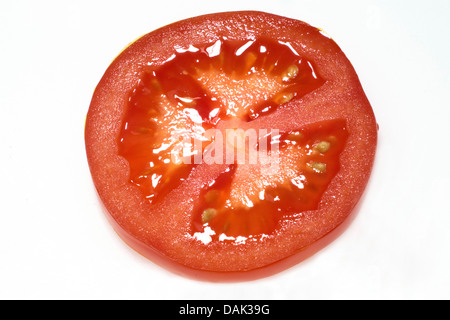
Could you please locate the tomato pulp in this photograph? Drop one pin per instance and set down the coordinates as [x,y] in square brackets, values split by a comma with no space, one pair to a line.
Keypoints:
[230,143]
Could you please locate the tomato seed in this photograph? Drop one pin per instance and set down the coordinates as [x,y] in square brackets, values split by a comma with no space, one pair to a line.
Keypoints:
[322,146]
[283,98]
[290,73]
[295,136]
[211,196]
[319,167]
[208,214]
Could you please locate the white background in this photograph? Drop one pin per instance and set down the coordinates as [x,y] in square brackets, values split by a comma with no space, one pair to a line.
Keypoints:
[55,242]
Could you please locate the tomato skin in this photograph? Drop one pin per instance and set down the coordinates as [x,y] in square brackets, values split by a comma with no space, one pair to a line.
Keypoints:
[159,231]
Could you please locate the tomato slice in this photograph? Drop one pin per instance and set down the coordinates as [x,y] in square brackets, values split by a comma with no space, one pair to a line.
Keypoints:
[230,143]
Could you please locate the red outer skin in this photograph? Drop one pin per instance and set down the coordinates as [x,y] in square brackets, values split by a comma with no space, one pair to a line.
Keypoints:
[160,231]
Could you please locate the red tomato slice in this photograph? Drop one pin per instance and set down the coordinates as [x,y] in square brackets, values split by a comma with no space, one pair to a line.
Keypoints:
[231,144]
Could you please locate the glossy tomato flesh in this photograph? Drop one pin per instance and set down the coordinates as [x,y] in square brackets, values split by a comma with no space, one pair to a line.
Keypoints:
[235,74]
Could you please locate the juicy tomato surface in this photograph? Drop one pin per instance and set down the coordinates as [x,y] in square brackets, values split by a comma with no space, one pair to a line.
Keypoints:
[230,144]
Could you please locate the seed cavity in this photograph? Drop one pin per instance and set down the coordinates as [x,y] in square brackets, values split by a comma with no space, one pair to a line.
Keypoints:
[208,214]
[322,146]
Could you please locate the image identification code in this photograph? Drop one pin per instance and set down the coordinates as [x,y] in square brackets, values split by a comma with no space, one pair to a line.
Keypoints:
[227,309]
